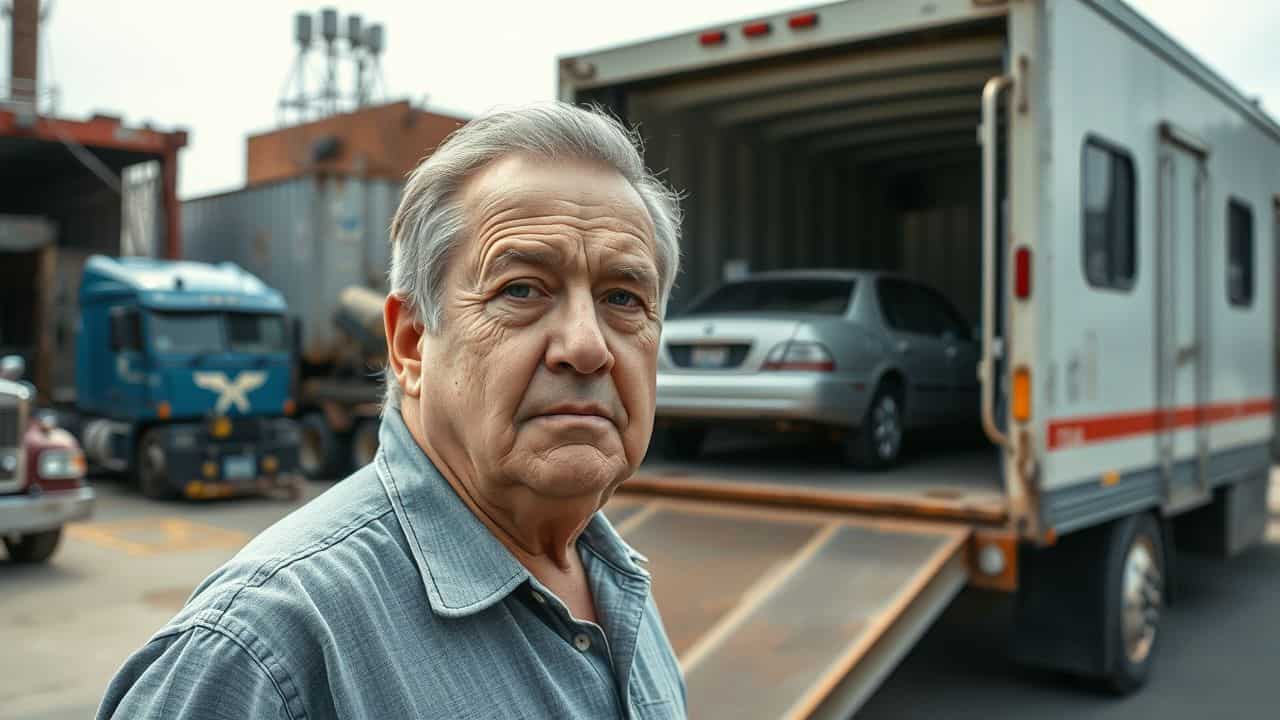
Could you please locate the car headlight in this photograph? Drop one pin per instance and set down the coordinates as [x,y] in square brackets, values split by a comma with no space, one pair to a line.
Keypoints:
[60,464]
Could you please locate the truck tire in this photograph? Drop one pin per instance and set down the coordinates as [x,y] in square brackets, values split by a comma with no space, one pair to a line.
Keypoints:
[320,455]
[364,442]
[1091,604]
[876,443]
[150,467]
[1135,592]
[33,547]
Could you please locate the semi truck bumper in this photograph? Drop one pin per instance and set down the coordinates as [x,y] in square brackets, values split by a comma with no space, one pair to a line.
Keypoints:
[229,456]
[37,512]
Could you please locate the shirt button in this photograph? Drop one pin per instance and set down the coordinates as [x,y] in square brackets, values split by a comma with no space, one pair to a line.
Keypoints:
[582,642]
[539,598]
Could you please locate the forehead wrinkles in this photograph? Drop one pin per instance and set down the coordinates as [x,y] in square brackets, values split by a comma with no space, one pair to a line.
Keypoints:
[555,221]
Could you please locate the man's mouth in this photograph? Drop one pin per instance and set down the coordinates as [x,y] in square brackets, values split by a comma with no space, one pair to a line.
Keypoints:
[583,411]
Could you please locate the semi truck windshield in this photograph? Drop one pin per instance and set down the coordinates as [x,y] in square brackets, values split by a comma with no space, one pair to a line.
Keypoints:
[201,333]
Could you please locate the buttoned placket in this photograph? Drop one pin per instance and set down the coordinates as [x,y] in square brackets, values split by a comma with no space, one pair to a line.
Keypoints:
[578,635]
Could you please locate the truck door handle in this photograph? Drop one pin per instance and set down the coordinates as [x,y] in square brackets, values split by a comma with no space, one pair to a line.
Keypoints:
[1187,354]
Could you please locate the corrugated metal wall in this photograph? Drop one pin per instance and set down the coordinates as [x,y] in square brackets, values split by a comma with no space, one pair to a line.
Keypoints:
[308,237]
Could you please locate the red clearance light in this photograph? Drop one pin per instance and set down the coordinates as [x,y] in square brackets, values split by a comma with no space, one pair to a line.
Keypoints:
[712,37]
[802,21]
[1022,273]
[756,29]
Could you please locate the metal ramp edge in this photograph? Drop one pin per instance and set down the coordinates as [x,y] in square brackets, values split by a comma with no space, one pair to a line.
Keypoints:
[783,613]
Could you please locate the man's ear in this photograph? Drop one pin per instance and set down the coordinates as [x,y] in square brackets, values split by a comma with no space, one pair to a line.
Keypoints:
[404,344]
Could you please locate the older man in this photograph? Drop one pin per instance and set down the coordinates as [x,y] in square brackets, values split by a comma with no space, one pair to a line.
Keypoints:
[468,573]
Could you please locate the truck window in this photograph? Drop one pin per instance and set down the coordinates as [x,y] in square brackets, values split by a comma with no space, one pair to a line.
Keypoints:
[125,333]
[249,333]
[1107,215]
[1239,253]
[185,333]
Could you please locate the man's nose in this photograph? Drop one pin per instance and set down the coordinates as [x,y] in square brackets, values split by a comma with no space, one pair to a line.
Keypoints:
[578,342]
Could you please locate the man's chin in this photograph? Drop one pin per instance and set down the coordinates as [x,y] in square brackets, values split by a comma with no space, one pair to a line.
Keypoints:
[572,471]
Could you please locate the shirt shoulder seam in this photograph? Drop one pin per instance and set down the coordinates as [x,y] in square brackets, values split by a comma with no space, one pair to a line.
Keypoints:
[259,662]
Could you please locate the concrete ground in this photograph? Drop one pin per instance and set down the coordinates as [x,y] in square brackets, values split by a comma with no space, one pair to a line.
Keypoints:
[67,626]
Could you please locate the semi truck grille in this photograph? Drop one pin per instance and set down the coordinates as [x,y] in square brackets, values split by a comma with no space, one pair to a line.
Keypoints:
[9,434]
[10,439]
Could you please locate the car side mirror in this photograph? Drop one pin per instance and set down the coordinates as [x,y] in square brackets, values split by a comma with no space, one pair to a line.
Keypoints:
[12,367]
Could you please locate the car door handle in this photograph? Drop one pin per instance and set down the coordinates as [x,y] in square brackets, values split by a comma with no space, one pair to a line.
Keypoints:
[952,351]
[904,346]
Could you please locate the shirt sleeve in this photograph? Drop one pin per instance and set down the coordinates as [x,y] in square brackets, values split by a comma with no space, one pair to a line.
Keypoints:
[200,673]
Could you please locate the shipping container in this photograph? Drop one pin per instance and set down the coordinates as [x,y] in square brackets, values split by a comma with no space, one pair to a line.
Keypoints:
[308,237]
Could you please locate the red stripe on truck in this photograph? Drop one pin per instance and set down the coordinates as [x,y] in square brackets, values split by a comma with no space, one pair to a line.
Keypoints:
[1074,432]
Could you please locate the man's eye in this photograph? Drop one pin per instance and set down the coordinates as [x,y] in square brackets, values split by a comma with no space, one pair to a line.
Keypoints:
[622,298]
[520,291]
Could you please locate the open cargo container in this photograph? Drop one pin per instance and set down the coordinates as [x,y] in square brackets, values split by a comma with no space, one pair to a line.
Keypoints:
[1089,194]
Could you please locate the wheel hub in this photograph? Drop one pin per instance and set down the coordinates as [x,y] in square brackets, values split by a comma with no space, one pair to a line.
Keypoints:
[886,428]
[1142,599]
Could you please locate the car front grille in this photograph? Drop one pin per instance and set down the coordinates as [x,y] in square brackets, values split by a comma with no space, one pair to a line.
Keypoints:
[682,355]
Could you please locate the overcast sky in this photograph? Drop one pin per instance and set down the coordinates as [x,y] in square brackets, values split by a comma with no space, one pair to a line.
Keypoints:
[217,68]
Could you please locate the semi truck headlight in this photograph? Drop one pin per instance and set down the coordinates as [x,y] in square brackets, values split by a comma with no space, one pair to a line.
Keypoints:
[60,464]
[8,461]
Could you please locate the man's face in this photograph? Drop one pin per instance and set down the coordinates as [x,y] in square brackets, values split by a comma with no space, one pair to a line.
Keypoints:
[542,377]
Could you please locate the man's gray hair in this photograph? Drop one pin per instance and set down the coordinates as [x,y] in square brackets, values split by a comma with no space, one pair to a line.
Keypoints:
[430,221]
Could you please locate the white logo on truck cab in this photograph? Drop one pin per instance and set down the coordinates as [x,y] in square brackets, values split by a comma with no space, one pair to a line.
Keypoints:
[231,392]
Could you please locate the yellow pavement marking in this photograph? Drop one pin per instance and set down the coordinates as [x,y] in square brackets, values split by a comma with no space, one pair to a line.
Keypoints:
[153,536]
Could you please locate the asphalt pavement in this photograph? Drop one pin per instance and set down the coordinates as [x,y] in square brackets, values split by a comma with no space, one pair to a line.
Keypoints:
[67,626]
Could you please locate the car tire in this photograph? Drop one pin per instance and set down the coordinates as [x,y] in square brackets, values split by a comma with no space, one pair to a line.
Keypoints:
[1135,592]
[876,443]
[150,467]
[33,547]
[684,443]
[364,442]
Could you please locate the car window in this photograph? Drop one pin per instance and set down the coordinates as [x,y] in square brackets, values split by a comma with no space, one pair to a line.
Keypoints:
[947,318]
[903,307]
[820,296]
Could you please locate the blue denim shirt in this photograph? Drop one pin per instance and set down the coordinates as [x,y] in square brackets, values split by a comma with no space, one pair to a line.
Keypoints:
[386,597]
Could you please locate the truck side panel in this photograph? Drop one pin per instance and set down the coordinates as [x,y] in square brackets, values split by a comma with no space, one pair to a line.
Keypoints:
[1102,389]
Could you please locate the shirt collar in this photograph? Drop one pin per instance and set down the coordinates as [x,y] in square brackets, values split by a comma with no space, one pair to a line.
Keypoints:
[464,568]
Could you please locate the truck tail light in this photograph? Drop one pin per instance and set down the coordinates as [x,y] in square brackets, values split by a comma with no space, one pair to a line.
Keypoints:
[712,37]
[805,356]
[1022,394]
[756,29]
[1022,273]
[803,21]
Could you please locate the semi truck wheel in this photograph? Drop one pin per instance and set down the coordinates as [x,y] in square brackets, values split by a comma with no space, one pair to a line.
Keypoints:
[364,442]
[151,469]
[320,456]
[33,547]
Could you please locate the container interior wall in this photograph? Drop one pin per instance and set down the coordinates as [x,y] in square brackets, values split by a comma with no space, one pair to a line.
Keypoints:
[866,158]
[308,237]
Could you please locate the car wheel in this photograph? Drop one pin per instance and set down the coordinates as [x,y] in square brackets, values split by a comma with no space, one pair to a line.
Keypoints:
[33,547]
[877,442]
[151,468]
[684,443]
[1135,600]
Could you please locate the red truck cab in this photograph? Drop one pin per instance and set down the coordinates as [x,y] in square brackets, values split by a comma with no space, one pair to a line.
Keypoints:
[42,473]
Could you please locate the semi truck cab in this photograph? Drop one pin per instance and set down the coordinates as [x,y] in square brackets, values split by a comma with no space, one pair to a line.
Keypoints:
[183,377]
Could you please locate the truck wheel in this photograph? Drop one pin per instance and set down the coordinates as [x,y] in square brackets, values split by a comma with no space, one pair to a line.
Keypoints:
[320,455]
[1135,599]
[33,547]
[364,442]
[684,442]
[151,468]
[877,442]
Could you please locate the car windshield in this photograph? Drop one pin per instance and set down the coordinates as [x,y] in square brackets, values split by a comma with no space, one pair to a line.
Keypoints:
[822,296]
[200,333]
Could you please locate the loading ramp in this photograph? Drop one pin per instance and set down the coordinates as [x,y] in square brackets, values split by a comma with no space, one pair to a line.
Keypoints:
[789,613]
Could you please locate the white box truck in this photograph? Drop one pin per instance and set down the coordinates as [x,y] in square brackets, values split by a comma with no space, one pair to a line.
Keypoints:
[1100,203]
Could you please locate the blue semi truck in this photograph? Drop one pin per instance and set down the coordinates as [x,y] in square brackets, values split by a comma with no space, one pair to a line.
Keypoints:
[183,378]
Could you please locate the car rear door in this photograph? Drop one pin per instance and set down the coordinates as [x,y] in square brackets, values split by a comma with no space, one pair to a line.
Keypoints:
[917,347]
[961,353]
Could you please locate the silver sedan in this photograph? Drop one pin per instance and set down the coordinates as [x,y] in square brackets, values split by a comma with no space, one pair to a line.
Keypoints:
[869,354]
